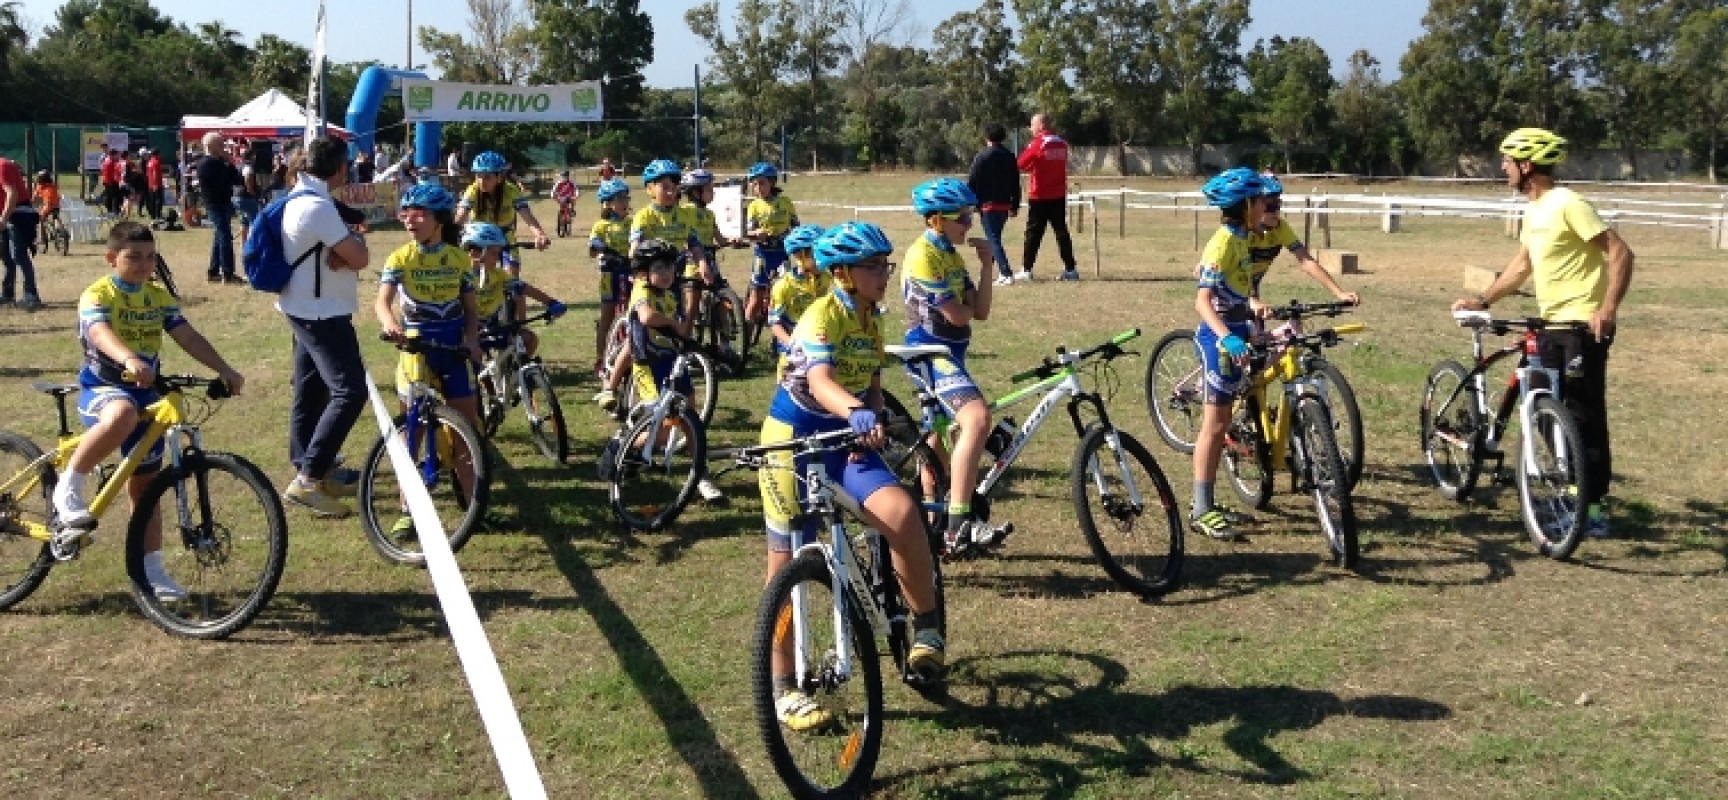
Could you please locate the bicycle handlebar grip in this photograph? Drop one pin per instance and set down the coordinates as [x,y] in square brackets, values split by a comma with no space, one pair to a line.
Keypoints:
[1125,336]
[1350,328]
[218,390]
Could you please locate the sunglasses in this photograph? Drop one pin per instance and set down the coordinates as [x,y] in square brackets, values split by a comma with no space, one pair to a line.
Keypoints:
[875,266]
[959,218]
[662,266]
[1274,205]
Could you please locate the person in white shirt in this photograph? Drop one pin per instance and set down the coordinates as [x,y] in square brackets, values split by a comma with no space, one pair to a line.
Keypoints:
[453,164]
[319,301]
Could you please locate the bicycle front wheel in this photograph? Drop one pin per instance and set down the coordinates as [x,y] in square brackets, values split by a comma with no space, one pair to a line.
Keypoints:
[447,457]
[826,652]
[545,416]
[1346,417]
[1127,512]
[1451,428]
[1328,480]
[1551,476]
[62,241]
[24,561]
[1247,459]
[1176,389]
[649,494]
[224,540]
[704,387]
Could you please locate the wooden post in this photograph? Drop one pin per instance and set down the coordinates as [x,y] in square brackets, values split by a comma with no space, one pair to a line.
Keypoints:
[1196,230]
[1307,221]
[1325,210]
[1122,214]
[1097,252]
[1079,218]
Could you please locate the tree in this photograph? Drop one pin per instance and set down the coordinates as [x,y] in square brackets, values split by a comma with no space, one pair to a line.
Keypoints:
[979,72]
[1701,61]
[1046,43]
[1449,81]
[1198,52]
[1367,115]
[1628,48]
[1291,80]
[501,40]
[279,62]
[13,37]
[1119,70]
[588,40]
[812,29]
[455,58]
[748,64]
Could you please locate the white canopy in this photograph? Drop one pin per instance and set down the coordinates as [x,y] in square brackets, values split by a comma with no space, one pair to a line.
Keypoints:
[271,115]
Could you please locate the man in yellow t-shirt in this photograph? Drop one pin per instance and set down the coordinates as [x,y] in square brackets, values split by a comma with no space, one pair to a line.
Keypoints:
[1581,268]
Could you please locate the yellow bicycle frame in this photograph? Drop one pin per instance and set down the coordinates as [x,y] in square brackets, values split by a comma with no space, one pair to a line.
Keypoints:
[1275,423]
[160,415]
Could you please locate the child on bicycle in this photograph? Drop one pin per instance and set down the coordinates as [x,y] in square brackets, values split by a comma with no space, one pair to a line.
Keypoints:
[1228,305]
[608,242]
[697,187]
[834,382]
[768,218]
[1274,234]
[564,193]
[46,196]
[494,288]
[653,307]
[491,198]
[121,319]
[663,220]
[942,302]
[796,289]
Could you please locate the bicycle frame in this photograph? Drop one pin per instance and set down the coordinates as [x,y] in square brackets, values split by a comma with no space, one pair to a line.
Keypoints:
[1519,390]
[825,499]
[669,400]
[1288,367]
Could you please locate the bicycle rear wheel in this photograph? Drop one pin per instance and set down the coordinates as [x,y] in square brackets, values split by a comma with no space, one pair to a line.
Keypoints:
[617,342]
[649,495]
[1176,390]
[918,468]
[563,225]
[448,458]
[1247,459]
[24,561]
[1550,479]
[831,657]
[224,539]
[1141,544]
[62,240]
[545,415]
[1328,480]
[1451,428]
[704,387]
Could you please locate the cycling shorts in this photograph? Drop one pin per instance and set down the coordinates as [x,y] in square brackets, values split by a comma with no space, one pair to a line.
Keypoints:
[1224,380]
[449,373]
[651,375]
[861,474]
[766,268]
[93,399]
[948,378]
[614,288]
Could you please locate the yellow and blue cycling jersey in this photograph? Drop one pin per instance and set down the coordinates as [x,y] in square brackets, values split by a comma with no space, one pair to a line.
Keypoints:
[1227,268]
[137,313]
[777,216]
[1264,247]
[834,334]
[935,276]
[707,225]
[501,213]
[792,295]
[493,287]
[675,226]
[430,282]
[649,344]
[610,234]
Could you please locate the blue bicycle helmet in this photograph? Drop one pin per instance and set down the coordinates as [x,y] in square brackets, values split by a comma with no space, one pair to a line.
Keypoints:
[802,238]
[1232,186]
[849,243]
[489,162]
[429,196]
[1269,184]
[483,234]
[612,188]
[696,179]
[661,168]
[762,169]
[941,196]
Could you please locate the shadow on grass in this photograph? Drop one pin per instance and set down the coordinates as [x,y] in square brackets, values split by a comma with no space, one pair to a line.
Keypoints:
[1073,701]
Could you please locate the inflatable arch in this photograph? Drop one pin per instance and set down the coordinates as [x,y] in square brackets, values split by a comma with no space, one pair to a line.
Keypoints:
[376,83]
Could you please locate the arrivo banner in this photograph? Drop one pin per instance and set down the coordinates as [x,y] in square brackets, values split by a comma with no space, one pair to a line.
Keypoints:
[442,101]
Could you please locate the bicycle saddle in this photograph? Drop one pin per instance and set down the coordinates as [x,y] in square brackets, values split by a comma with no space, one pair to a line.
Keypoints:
[913,352]
[55,389]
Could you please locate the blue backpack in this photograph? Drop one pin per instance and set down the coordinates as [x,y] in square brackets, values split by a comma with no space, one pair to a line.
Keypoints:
[267,266]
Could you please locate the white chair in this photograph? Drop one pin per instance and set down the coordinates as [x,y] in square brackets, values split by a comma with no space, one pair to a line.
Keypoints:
[84,226]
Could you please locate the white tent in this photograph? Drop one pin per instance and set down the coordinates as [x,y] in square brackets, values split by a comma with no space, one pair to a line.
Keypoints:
[271,115]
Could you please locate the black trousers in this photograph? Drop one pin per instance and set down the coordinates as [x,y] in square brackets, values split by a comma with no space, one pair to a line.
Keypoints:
[1055,214]
[1583,365]
[329,392]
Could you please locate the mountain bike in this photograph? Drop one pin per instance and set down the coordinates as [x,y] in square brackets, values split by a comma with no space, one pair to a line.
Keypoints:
[1176,387]
[830,606]
[232,538]
[1129,516]
[450,460]
[657,458]
[1459,434]
[566,217]
[701,371]
[511,377]
[1293,428]
[55,233]
[718,327]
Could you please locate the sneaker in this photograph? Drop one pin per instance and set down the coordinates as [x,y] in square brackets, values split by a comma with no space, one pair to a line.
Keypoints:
[1004,281]
[30,302]
[606,399]
[162,584]
[929,655]
[1023,276]
[1596,523]
[213,278]
[800,712]
[1216,523]
[956,541]
[709,491]
[233,279]
[7,301]
[69,501]
[316,500]
[403,529]
[1070,275]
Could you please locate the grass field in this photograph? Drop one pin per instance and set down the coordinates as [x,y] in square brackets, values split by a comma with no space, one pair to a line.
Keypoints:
[1457,663]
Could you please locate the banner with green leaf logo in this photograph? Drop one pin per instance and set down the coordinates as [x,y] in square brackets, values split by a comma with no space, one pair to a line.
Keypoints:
[442,101]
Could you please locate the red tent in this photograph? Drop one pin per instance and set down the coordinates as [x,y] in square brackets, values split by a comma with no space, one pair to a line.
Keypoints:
[270,115]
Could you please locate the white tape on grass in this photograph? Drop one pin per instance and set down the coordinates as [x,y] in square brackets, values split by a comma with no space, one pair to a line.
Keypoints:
[485,681]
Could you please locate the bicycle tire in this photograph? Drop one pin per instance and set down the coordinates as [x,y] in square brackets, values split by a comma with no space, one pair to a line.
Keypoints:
[641,506]
[459,512]
[1328,480]
[617,342]
[1555,538]
[705,386]
[1346,418]
[1155,568]
[917,466]
[885,585]
[36,557]
[62,241]
[1452,444]
[841,759]
[563,225]
[1176,390]
[725,325]
[491,406]
[209,551]
[1247,458]
[545,415]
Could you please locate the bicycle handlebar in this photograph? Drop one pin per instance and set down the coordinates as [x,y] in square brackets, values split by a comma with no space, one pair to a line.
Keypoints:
[1481,319]
[1297,310]
[415,344]
[214,389]
[1110,349]
[1328,337]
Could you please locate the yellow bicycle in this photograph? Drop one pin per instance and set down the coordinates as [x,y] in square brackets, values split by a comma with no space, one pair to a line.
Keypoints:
[233,540]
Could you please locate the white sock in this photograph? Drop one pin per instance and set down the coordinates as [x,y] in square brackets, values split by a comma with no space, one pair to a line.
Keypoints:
[153,563]
[71,485]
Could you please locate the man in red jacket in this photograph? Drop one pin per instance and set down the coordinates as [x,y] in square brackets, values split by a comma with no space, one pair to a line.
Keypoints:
[113,169]
[153,178]
[1046,158]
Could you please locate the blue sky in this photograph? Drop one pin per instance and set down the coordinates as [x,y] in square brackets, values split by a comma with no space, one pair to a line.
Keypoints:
[377,29]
